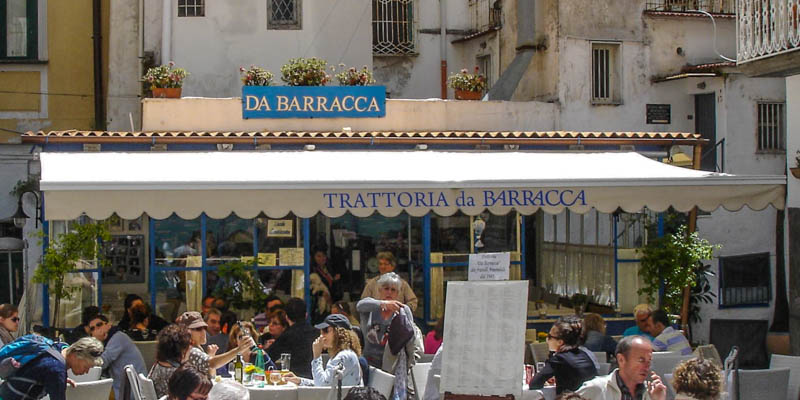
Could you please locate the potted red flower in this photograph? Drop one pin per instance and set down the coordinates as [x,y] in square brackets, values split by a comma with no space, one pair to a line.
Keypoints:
[467,86]
[166,81]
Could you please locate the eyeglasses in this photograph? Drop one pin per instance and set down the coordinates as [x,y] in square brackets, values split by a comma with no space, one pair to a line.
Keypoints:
[15,319]
[549,336]
[98,326]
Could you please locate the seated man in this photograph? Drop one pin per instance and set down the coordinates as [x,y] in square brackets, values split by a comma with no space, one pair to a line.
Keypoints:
[214,334]
[82,330]
[387,263]
[666,337]
[296,339]
[119,351]
[634,354]
[261,320]
[641,314]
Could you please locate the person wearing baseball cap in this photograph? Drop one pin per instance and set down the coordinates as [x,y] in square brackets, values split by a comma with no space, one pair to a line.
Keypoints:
[337,337]
[210,361]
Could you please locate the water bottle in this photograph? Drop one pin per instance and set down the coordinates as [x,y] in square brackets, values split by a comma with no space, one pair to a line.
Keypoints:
[260,357]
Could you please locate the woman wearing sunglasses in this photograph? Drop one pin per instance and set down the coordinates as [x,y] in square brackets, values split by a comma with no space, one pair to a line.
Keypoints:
[9,322]
[337,337]
[570,365]
[209,362]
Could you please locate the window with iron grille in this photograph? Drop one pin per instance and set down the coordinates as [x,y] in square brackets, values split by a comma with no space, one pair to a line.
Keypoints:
[711,6]
[771,128]
[19,27]
[745,280]
[605,73]
[191,8]
[392,27]
[284,14]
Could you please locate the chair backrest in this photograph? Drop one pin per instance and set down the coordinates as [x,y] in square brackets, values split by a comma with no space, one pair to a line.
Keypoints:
[147,389]
[97,390]
[616,338]
[148,350]
[381,381]
[425,358]
[133,381]
[793,363]
[420,373]
[604,368]
[757,384]
[317,393]
[709,352]
[601,356]
[663,364]
[668,383]
[91,376]
[540,352]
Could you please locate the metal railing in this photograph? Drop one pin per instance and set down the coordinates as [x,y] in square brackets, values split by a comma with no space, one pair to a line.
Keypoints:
[766,28]
[718,152]
[710,6]
[484,15]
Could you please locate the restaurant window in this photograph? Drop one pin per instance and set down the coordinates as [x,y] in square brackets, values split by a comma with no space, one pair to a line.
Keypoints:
[191,8]
[606,74]
[771,127]
[19,25]
[284,14]
[745,280]
[392,27]
[177,276]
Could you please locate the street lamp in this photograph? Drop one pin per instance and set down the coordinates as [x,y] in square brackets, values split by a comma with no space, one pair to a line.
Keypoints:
[20,217]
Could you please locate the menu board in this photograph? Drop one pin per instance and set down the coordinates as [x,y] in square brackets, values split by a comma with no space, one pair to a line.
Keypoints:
[291,256]
[484,338]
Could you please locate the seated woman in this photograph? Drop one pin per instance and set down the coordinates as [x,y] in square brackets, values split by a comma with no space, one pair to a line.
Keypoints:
[570,365]
[186,383]
[139,321]
[342,345]
[697,379]
[172,349]
[275,327]
[594,334]
[236,333]
[209,362]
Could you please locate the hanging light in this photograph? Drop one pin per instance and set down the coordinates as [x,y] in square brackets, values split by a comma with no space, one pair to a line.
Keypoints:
[19,217]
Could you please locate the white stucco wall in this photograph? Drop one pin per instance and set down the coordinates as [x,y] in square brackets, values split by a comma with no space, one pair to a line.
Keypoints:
[234,34]
[123,62]
[792,137]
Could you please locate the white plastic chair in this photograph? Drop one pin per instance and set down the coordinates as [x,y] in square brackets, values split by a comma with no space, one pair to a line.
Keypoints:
[601,356]
[663,364]
[97,390]
[540,352]
[148,350]
[91,376]
[793,363]
[147,390]
[760,384]
[425,358]
[604,368]
[319,393]
[133,382]
[420,372]
[381,381]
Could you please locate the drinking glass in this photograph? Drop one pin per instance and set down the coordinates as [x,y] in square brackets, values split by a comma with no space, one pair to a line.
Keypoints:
[274,377]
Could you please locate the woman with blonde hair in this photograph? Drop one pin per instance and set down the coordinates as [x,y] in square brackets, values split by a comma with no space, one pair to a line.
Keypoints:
[697,379]
[594,334]
[236,333]
[342,344]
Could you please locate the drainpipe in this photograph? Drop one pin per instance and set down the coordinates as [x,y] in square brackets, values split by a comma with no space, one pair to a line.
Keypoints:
[443,45]
[97,53]
[140,56]
[505,87]
[166,32]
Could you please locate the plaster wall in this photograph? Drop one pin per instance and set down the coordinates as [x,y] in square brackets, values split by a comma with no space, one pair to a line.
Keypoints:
[693,36]
[205,114]
[123,81]
[234,34]
[792,137]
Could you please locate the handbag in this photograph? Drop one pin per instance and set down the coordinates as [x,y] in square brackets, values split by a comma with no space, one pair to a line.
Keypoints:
[400,332]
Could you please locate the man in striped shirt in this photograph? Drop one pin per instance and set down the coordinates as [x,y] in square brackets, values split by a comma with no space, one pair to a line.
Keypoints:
[666,337]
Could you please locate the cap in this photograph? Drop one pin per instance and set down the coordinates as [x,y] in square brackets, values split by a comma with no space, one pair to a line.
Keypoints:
[192,320]
[337,320]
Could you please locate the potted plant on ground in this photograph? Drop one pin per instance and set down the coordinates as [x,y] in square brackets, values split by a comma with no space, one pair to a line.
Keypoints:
[242,289]
[166,81]
[467,86]
[255,76]
[354,77]
[305,72]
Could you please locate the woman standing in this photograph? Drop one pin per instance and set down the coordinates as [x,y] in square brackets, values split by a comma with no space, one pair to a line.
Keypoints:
[570,365]
[336,337]
[9,323]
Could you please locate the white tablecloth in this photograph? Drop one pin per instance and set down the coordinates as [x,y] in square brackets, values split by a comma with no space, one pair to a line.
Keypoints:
[547,393]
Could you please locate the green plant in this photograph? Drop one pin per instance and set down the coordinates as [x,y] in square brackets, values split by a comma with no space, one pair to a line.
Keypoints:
[255,76]
[28,185]
[672,259]
[62,255]
[466,81]
[353,77]
[241,286]
[305,72]
[165,76]
[701,292]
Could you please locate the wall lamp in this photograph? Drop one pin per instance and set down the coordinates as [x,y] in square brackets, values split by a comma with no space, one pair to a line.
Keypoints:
[20,217]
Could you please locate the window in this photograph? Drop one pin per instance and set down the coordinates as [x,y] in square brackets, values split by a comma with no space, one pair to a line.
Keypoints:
[392,27]
[284,14]
[191,8]
[771,128]
[485,68]
[605,73]
[18,22]
[745,280]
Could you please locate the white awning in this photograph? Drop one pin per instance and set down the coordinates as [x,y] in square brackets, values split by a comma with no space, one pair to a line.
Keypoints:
[387,182]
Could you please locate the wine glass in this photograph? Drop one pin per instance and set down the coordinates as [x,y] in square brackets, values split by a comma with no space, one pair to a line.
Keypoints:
[274,377]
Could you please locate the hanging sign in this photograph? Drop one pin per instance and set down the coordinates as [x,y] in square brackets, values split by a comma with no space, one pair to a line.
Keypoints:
[313,102]
[489,266]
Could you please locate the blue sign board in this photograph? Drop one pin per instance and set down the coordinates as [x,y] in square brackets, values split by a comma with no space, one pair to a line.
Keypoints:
[313,101]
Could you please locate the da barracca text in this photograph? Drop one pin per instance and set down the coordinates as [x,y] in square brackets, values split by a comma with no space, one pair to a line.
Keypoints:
[490,198]
[312,103]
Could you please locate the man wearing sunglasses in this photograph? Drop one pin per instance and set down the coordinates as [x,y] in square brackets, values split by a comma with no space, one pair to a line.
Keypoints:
[119,352]
[9,323]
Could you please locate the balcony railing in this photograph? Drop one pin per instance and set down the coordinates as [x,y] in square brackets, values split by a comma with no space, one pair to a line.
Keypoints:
[710,6]
[484,15]
[767,28]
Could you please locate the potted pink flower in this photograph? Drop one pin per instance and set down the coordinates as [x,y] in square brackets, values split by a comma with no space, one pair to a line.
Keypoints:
[467,86]
[166,81]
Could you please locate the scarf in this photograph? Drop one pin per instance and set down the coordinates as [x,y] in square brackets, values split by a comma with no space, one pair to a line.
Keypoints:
[400,377]
[5,335]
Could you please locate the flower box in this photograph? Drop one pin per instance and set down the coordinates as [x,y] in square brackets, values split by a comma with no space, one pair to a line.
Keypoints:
[468,95]
[167,93]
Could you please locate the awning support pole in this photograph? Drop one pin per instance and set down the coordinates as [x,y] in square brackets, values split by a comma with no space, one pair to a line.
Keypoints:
[306,264]
[152,276]
[692,228]
[426,263]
